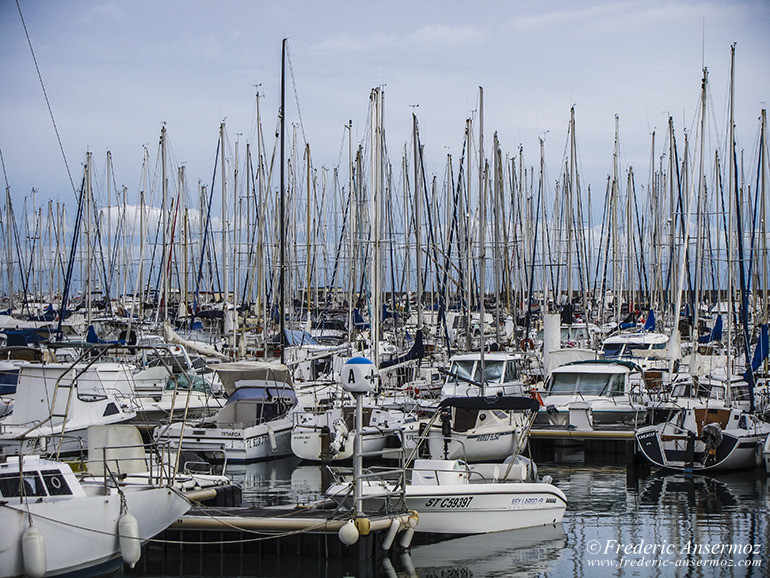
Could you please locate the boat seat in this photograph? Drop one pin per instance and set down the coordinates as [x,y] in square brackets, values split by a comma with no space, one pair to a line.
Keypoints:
[498,472]
[438,472]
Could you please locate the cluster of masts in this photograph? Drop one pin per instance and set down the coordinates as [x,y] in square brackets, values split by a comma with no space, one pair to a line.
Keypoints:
[294,241]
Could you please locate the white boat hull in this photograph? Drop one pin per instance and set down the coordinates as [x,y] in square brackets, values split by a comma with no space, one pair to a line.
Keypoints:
[464,510]
[261,442]
[82,533]
[469,508]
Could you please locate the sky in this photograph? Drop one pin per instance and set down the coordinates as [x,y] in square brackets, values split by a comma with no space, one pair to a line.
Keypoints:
[114,72]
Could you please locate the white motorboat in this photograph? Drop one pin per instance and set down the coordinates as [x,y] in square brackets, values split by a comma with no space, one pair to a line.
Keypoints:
[56,403]
[474,429]
[453,497]
[501,375]
[255,423]
[53,523]
[582,394]
[328,435]
[648,349]
[704,438]
[766,454]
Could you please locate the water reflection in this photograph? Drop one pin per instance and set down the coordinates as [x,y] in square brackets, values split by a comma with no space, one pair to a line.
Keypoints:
[611,520]
[524,552]
[607,508]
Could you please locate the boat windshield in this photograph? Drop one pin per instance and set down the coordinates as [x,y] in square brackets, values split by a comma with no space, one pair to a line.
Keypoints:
[493,371]
[574,333]
[463,369]
[586,384]
[471,369]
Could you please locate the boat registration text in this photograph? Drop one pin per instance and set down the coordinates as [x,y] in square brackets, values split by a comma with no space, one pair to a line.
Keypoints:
[448,502]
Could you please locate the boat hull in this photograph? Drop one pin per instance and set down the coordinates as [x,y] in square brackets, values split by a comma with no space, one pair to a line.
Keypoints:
[680,453]
[81,534]
[252,444]
[462,509]
[446,510]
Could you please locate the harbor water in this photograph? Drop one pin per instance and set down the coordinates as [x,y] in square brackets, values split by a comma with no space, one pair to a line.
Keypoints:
[618,522]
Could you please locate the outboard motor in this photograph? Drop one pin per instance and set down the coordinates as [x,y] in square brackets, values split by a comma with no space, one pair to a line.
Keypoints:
[712,437]
[446,429]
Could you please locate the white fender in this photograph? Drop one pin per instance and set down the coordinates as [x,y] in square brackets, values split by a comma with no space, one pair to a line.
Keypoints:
[272,440]
[33,552]
[130,545]
[395,526]
[348,533]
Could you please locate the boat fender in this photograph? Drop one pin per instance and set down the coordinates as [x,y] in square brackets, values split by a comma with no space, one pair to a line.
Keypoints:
[348,533]
[364,526]
[271,438]
[130,545]
[33,552]
[387,542]
[406,537]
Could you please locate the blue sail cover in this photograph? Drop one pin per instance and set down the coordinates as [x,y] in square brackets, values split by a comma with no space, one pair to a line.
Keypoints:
[358,321]
[716,332]
[760,353]
[416,352]
[649,325]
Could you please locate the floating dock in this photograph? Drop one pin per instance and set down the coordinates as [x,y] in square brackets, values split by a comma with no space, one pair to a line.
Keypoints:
[599,446]
[287,531]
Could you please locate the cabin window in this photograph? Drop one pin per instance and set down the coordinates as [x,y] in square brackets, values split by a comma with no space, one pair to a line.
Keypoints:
[717,392]
[682,390]
[10,487]
[463,369]
[111,409]
[55,483]
[580,383]
[612,350]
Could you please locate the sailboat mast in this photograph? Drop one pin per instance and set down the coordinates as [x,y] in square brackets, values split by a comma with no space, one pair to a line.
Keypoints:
[701,209]
[417,221]
[282,217]
[482,237]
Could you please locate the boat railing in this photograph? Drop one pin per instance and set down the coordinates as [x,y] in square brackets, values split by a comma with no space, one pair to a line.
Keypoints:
[152,462]
[39,444]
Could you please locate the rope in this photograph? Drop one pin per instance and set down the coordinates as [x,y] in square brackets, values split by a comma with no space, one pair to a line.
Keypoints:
[45,94]
[261,535]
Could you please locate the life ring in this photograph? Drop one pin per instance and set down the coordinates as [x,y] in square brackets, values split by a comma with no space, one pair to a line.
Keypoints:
[527,344]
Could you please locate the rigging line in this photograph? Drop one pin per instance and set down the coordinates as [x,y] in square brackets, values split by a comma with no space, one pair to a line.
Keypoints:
[47,102]
[296,97]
